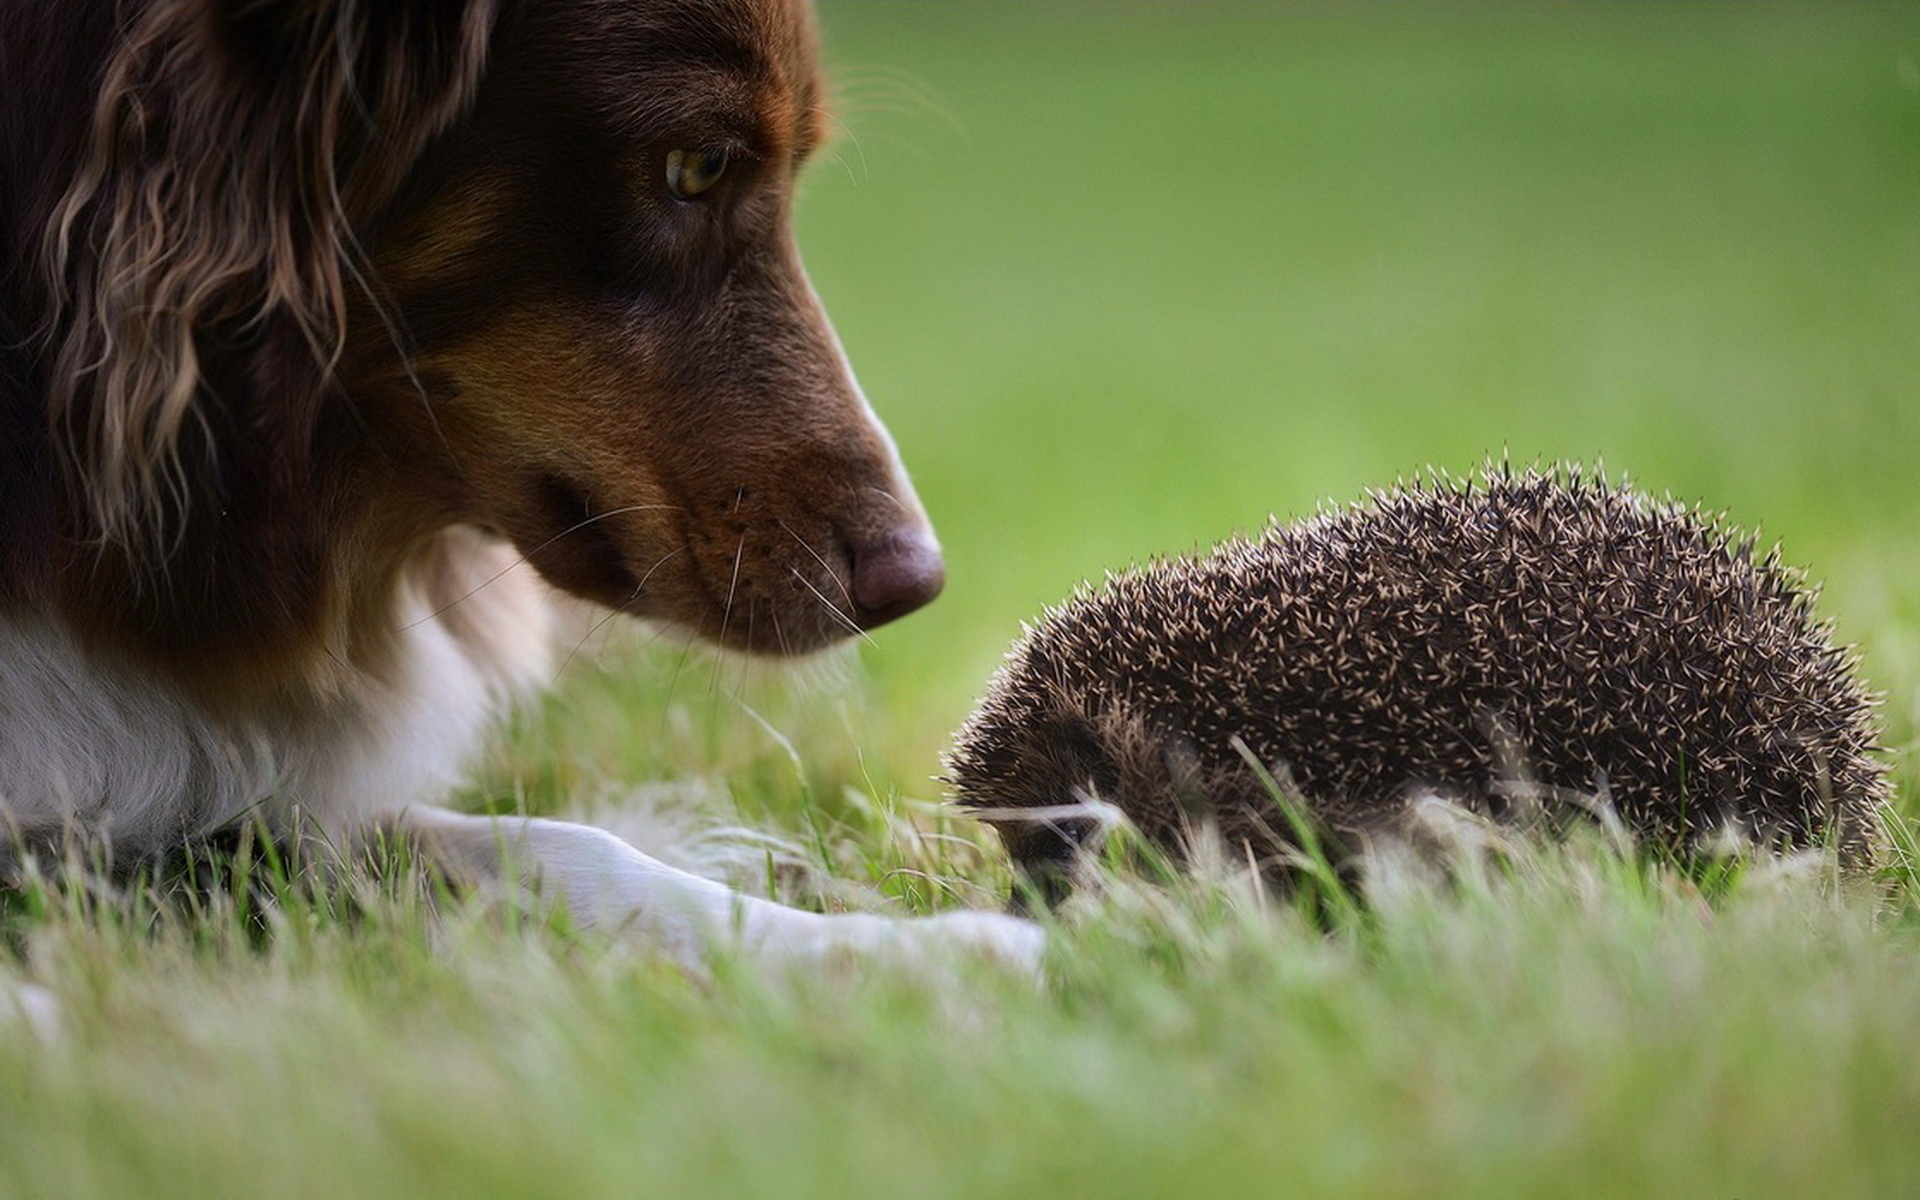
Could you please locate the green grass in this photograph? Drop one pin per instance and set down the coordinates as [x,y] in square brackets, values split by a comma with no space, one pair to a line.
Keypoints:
[1122,279]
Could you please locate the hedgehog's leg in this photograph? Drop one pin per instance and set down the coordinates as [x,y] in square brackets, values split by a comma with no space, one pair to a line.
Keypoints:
[607,884]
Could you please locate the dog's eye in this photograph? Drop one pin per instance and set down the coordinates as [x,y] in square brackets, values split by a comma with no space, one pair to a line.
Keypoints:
[691,172]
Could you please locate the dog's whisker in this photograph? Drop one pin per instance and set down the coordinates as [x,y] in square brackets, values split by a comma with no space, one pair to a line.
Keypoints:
[717,674]
[733,585]
[831,573]
[740,686]
[657,564]
[863,89]
[844,165]
[866,173]
[673,683]
[831,607]
[898,504]
[716,669]
[586,637]
[616,610]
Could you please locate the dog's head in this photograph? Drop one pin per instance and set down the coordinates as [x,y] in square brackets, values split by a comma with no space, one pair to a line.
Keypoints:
[544,250]
[624,368]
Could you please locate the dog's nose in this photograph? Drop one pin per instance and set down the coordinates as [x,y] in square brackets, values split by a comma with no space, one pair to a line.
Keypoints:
[894,575]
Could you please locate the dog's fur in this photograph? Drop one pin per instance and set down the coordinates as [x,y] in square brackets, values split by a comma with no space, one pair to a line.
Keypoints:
[316,316]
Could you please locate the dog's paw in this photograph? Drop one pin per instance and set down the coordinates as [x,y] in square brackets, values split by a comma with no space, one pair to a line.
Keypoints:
[936,943]
[1005,941]
[33,1009]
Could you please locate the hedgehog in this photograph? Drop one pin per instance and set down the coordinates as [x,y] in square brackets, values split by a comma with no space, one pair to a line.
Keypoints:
[1515,642]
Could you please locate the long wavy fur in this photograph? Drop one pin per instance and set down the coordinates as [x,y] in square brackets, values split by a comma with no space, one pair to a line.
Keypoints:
[234,146]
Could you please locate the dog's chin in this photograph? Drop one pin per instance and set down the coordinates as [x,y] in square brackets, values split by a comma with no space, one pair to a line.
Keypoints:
[752,624]
[761,606]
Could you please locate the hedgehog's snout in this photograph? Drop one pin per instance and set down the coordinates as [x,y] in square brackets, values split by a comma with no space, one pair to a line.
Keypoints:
[1041,885]
[1052,847]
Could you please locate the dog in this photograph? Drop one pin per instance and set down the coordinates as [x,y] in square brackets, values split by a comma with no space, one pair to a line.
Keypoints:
[317,317]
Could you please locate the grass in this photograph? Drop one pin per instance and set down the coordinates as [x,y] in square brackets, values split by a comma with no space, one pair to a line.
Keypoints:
[1124,278]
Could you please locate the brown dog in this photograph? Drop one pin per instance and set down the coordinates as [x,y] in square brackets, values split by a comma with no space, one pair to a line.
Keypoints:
[316,315]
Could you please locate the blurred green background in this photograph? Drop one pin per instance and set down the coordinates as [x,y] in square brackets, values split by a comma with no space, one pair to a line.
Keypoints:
[1125,277]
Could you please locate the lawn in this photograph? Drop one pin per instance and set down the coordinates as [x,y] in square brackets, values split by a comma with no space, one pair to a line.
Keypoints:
[1124,278]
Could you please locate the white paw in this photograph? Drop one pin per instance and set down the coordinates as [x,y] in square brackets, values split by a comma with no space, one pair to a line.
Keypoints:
[1007,941]
[918,942]
[34,1007]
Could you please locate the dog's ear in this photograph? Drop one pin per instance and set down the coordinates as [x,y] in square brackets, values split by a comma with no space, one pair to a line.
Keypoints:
[408,68]
[235,148]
